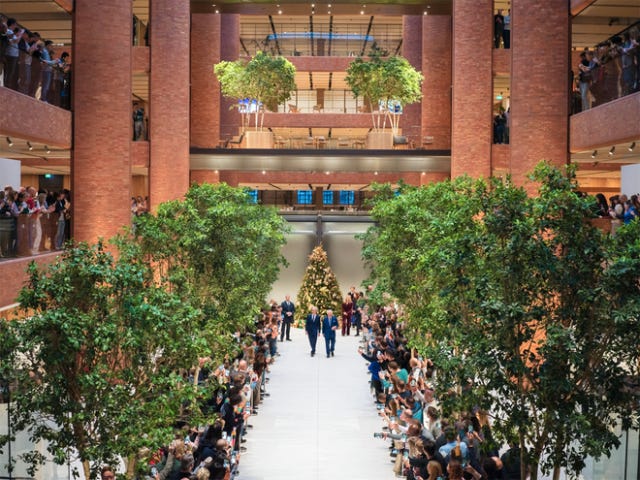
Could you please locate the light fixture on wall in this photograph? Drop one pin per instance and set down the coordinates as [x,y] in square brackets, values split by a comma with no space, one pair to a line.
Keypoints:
[47,149]
[594,154]
[632,146]
[612,151]
[9,142]
[29,146]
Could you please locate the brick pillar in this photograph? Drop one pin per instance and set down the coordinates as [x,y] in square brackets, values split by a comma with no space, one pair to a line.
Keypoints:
[102,126]
[169,101]
[412,51]
[205,89]
[230,120]
[472,131]
[539,89]
[436,88]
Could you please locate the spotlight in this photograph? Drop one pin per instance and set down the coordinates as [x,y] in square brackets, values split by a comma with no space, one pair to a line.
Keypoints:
[279,12]
[612,151]
[29,146]
[264,172]
[9,142]
[594,154]
[632,146]
[47,149]
[375,173]
[361,12]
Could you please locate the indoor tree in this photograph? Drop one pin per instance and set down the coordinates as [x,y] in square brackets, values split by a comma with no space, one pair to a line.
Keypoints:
[387,83]
[529,311]
[264,81]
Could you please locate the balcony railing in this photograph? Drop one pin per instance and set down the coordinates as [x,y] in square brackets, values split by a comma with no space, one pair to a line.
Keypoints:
[28,235]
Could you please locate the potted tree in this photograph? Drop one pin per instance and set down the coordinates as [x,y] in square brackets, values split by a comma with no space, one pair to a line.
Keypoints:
[263,82]
[387,84]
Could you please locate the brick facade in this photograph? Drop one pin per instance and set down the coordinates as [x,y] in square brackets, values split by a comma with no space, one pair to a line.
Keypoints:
[472,132]
[102,127]
[169,101]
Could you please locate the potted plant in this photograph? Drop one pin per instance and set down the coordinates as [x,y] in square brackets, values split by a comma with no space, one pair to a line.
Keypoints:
[263,82]
[387,83]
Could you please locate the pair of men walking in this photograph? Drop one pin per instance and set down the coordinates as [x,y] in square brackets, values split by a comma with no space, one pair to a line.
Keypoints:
[327,325]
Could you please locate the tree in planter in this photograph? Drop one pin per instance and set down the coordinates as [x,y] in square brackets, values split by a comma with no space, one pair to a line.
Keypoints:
[98,359]
[526,309]
[387,83]
[319,287]
[264,81]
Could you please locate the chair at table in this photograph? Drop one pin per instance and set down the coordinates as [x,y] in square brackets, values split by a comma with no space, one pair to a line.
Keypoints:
[293,108]
[318,109]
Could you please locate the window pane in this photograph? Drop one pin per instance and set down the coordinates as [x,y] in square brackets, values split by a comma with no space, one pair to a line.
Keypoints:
[305,197]
[347,197]
[327,197]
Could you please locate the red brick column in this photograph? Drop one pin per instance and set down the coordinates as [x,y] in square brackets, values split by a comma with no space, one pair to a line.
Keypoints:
[436,88]
[410,122]
[102,126]
[472,131]
[205,89]
[169,101]
[539,84]
[230,120]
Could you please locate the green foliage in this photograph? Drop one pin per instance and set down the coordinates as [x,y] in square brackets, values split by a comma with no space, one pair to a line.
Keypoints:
[97,360]
[522,299]
[385,80]
[267,79]
[319,287]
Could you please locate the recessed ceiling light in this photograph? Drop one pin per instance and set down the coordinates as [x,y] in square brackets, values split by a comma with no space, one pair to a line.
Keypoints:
[279,12]
[361,12]
[264,172]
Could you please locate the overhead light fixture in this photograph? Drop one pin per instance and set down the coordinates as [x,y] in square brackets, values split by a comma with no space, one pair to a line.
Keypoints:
[425,12]
[47,149]
[361,12]
[632,146]
[612,151]
[9,142]
[264,172]
[594,154]
[279,12]
[29,146]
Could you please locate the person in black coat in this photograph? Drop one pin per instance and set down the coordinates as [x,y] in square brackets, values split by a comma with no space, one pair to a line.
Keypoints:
[312,328]
[288,311]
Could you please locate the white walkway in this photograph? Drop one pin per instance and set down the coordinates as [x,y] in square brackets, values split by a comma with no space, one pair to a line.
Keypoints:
[319,421]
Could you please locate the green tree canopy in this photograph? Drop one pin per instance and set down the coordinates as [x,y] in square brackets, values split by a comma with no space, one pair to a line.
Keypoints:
[385,81]
[528,311]
[267,79]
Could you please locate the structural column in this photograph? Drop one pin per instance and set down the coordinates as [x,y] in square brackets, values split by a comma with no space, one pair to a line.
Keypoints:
[539,85]
[169,101]
[102,127]
[472,131]
[436,88]
[412,51]
[230,120]
[205,89]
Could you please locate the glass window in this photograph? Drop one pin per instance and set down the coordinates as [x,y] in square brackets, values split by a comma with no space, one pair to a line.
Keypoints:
[305,197]
[253,195]
[327,197]
[347,197]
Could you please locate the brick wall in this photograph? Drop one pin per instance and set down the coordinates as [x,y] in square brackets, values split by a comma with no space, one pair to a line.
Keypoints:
[13,273]
[472,131]
[411,119]
[539,85]
[169,101]
[102,127]
[436,88]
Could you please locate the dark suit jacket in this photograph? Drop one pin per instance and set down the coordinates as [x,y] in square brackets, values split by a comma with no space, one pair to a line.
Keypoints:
[327,323]
[312,326]
[288,307]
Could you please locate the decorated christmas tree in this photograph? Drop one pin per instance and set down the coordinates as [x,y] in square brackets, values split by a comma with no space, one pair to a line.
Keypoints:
[319,288]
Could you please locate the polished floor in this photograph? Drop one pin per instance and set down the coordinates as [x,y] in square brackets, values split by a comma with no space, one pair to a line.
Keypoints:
[319,421]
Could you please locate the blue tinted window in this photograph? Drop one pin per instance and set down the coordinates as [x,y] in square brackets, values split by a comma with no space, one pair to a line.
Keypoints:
[327,197]
[253,195]
[347,197]
[305,197]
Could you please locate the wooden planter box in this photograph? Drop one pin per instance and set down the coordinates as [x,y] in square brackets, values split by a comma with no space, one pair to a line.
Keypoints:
[262,139]
[380,140]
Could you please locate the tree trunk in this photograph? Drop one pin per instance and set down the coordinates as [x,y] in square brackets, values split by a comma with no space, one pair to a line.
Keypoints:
[131,467]
[556,473]
[87,469]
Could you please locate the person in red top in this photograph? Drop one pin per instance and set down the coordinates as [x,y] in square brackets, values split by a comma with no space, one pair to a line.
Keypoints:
[347,312]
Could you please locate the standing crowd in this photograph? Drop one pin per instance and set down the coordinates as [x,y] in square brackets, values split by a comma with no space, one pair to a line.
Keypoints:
[30,65]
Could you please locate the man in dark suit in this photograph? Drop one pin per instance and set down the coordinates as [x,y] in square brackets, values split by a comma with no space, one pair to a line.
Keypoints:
[329,327]
[288,309]
[312,327]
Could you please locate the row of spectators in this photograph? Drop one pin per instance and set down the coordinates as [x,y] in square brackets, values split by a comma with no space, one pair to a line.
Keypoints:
[213,452]
[619,207]
[42,215]
[29,64]
[425,445]
[610,71]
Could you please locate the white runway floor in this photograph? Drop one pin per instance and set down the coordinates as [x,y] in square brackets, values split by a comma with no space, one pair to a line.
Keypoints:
[319,421]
